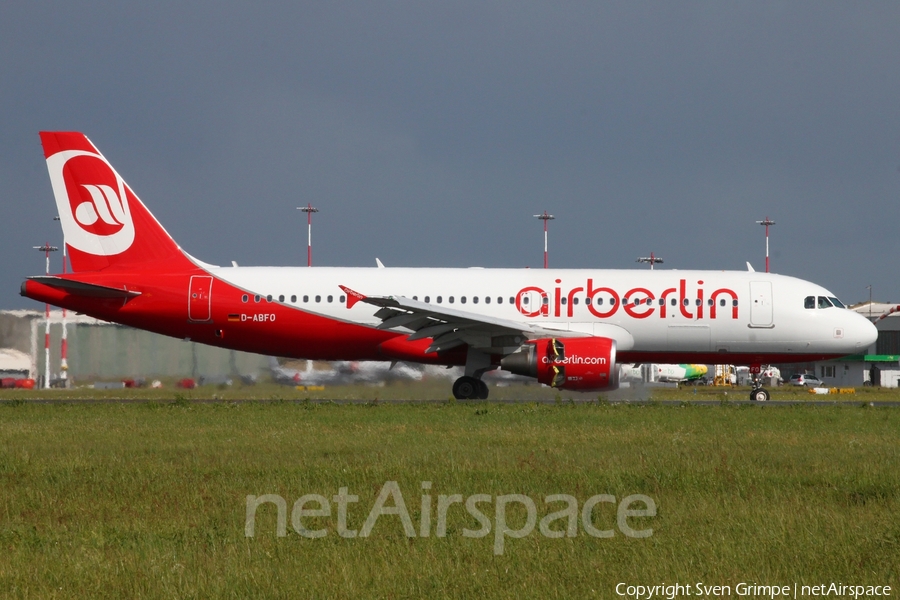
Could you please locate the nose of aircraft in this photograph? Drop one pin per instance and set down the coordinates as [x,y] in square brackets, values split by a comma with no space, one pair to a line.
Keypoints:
[862,332]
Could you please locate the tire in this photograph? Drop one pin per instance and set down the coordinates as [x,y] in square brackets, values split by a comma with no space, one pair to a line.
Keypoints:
[759,395]
[482,390]
[466,388]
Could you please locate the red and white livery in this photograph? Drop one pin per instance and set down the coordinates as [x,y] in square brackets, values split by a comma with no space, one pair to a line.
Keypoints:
[567,328]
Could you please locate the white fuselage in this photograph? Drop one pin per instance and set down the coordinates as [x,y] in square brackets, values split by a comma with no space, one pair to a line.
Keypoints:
[718,312]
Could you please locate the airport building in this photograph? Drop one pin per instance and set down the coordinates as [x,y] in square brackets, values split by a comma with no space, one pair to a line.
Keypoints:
[102,351]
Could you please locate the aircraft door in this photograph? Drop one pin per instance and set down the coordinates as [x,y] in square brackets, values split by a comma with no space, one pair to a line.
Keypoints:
[200,298]
[761,313]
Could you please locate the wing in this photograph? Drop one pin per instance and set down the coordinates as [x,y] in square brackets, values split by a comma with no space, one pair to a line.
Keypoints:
[449,327]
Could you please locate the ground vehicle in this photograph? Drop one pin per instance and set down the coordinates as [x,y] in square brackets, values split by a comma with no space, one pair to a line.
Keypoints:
[805,379]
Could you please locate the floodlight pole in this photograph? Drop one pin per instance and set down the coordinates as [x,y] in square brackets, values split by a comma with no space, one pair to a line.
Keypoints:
[545,217]
[767,222]
[64,342]
[870,301]
[47,249]
[652,259]
[309,210]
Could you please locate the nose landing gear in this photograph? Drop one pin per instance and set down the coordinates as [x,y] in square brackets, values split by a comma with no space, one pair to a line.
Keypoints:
[759,394]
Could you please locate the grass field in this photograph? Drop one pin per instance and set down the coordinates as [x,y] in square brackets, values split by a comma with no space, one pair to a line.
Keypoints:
[439,389]
[149,500]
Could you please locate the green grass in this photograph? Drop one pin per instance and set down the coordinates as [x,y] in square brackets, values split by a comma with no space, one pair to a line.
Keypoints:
[438,389]
[148,500]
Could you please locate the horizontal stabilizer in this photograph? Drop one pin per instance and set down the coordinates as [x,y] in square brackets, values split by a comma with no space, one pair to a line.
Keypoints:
[80,288]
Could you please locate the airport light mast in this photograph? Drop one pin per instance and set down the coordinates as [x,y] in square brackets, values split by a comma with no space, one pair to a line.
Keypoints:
[309,209]
[652,259]
[545,217]
[767,222]
[47,249]
[63,342]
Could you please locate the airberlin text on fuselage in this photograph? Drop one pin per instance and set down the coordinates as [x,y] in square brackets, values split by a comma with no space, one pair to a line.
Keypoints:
[638,302]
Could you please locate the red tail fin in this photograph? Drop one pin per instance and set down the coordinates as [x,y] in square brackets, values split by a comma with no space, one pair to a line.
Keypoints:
[104,223]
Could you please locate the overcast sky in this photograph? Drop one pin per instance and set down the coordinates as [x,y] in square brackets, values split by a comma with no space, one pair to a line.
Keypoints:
[428,134]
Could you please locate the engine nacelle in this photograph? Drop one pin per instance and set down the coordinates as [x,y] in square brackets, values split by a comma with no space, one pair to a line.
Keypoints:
[585,364]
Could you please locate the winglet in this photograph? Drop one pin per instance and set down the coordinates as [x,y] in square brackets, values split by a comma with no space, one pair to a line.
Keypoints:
[352,296]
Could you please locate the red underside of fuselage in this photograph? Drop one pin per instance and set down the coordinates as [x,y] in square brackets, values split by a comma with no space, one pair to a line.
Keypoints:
[277,329]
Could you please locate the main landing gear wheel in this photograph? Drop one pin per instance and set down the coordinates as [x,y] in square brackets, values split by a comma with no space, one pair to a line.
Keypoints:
[470,388]
[759,395]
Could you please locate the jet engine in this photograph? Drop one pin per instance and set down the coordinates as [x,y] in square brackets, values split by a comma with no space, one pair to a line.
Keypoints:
[583,364]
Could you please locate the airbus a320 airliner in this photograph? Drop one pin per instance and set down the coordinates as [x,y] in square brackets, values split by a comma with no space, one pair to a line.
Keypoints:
[567,328]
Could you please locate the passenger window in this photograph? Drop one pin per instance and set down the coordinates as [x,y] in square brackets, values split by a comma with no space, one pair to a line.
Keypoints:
[474,299]
[341,299]
[625,301]
[281,298]
[293,298]
[256,298]
[331,298]
[415,298]
[524,299]
[710,302]
[439,299]
[450,299]
[427,299]
[600,301]
[487,299]
[662,301]
[686,302]
[269,298]
[462,299]
[587,300]
[734,302]
[318,298]
[244,298]
[612,301]
[575,300]
[562,301]
[673,302]
[721,301]
[698,302]
[512,300]
[809,302]
[306,298]
[545,300]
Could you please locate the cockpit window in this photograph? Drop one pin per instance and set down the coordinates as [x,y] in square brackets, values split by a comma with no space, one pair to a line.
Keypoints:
[824,302]
[836,302]
[809,302]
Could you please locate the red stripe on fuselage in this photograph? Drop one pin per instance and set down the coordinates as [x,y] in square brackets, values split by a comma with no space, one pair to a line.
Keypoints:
[716,358]
[270,328]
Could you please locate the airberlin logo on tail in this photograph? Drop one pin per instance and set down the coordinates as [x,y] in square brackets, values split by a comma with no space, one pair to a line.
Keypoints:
[92,200]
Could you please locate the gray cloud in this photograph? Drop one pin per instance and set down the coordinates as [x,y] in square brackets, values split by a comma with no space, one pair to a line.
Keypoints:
[429,134]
